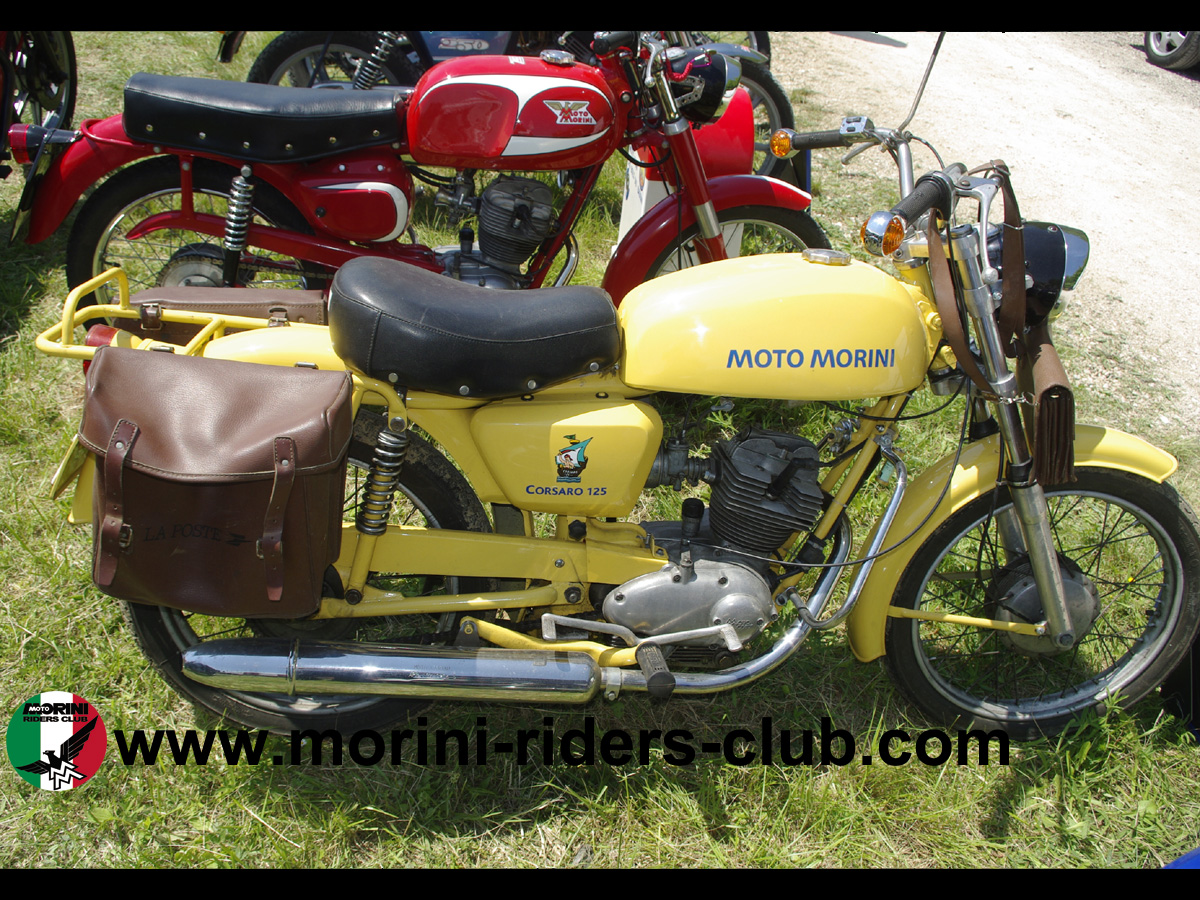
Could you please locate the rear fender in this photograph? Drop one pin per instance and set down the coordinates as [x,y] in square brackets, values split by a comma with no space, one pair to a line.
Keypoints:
[974,477]
[102,149]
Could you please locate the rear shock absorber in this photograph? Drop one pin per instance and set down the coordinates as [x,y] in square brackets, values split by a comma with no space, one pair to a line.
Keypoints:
[237,224]
[383,479]
[370,70]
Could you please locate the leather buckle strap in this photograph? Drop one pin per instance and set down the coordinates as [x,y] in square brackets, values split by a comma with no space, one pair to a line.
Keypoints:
[114,533]
[271,545]
[947,306]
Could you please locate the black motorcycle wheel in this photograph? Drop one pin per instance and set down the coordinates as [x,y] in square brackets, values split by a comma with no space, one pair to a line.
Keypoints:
[45,78]
[748,231]
[1173,49]
[1129,547]
[433,494]
[170,258]
[304,59]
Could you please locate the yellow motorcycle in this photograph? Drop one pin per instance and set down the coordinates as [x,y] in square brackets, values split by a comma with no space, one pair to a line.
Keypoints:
[1039,570]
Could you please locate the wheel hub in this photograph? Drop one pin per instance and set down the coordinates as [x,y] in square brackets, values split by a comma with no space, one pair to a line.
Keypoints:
[1014,597]
[194,265]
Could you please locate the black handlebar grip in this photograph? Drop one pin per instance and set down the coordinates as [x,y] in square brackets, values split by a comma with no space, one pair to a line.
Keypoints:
[607,41]
[932,191]
[819,140]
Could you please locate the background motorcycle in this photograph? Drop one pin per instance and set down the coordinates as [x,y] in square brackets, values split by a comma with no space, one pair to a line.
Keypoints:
[37,82]
[365,58]
[164,219]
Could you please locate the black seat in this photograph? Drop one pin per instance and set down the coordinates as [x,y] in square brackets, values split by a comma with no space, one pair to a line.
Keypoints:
[258,122]
[424,331]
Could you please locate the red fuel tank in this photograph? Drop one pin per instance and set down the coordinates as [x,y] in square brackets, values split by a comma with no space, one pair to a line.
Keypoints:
[513,112]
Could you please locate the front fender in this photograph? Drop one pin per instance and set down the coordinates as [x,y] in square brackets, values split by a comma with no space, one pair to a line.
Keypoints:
[975,476]
[102,149]
[660,227]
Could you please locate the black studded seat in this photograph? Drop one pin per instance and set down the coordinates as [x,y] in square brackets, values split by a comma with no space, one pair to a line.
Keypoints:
[263,123]
[424,331]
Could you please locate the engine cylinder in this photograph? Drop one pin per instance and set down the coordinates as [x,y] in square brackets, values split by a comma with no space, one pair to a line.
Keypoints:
[765,489]
[515,215]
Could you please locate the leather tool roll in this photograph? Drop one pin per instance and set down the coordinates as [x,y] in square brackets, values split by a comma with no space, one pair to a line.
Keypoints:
[1052,433]
[219,484]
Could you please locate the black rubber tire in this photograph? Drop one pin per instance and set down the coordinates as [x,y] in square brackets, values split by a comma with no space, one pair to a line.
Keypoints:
[290,59]
[1172,49]
[1139,544]
[436,489]
[792,230]
[47,84]
[772,111]
[91,250]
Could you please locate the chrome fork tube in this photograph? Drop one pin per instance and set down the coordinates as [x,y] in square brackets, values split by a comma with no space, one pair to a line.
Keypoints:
[1029,500]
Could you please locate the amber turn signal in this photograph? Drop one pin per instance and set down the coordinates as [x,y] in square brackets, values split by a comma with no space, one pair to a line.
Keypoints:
[882,234]
[781,144]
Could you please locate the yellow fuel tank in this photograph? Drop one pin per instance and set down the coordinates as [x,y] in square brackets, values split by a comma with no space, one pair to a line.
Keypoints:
[778,327]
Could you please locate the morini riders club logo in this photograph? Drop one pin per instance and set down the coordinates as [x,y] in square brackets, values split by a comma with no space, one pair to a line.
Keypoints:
[56,740]
[571,112]
[571,460]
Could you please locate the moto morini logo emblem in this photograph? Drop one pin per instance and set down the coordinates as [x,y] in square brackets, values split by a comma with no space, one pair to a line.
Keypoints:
[190,531]
[831,358]
[571,112]
[56,740]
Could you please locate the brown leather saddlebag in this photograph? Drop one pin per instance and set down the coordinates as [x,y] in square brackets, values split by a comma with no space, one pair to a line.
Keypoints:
[219,484]
[279,305]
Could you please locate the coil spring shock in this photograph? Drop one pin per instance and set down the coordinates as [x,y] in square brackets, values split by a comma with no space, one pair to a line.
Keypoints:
[383,479]
[370,70]
[237,223]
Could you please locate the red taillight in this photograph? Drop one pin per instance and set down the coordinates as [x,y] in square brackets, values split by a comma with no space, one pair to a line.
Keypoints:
[99,336]
[25,144]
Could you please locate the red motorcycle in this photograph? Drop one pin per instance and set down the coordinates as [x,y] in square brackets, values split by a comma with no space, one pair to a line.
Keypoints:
[271,186]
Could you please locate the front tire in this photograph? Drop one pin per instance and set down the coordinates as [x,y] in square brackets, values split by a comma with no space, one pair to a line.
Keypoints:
[1130,547]
[772,111]
[748,231]
[433,494]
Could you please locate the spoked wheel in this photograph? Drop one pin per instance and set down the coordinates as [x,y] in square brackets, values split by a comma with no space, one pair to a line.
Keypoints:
[748,231]
[324,59]
[1129,554]
[104,233]
[45,74]
[433,495]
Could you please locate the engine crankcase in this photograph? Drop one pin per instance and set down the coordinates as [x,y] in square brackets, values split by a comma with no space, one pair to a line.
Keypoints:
[677,599]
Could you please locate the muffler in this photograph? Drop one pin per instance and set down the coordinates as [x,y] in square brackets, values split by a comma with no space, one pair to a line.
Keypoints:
[287,666]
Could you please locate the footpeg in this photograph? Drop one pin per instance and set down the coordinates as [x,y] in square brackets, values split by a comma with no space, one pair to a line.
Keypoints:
[660,683]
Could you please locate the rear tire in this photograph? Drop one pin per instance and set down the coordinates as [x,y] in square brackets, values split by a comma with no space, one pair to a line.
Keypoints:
[1173,49]
[173,257]
[431,489]
[302,59]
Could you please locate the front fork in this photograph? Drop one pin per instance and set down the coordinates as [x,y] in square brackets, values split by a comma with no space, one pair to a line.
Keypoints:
[1031,527]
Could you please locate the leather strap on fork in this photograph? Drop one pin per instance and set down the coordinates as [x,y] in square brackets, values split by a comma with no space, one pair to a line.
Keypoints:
[112,522]
[947,306]
[1011,317]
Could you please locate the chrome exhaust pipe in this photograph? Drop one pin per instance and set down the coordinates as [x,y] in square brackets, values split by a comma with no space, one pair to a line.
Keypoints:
[285,666]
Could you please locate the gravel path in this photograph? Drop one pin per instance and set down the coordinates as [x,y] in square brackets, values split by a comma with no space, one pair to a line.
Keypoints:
[1095,136]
